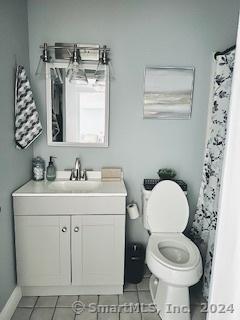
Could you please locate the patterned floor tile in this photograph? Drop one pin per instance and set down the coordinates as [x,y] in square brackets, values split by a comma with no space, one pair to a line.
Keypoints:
[48,301]
[108,300]
[42,314]
[143,285]
[22,314]
[27,302]
[130,287]
[64,314]
[66,301]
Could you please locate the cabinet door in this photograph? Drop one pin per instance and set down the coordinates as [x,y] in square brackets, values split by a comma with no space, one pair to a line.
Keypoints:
[43,250]
[98,249]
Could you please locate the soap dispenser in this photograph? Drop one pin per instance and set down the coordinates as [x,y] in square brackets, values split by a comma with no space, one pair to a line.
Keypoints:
[51,170]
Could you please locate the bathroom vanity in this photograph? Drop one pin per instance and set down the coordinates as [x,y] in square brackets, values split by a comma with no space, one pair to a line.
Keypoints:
[70,237]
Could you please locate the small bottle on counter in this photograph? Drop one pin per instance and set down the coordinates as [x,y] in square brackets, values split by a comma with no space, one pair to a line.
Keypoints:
[51,170]
[38,169]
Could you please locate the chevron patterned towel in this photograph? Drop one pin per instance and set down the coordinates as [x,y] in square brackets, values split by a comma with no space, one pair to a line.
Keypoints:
[27,124]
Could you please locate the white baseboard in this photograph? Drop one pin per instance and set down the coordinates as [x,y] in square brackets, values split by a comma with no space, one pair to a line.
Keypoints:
[11,305]
[70,290]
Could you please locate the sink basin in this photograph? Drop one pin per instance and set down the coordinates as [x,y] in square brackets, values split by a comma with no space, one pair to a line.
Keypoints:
[74,186]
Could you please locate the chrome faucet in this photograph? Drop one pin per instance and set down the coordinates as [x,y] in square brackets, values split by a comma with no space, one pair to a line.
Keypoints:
[76,172]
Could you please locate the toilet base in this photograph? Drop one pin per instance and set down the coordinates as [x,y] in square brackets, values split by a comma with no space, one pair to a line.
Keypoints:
[172,302]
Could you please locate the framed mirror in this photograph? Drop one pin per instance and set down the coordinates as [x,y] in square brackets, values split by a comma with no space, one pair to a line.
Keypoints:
[77,113]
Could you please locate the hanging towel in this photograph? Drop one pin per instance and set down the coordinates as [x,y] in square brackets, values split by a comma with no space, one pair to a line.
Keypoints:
[27,124]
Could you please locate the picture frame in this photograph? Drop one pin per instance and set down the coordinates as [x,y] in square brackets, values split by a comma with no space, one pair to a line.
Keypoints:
[168,92]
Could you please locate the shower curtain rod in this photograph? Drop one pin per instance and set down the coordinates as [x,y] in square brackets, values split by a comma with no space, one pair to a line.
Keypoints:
[219,53]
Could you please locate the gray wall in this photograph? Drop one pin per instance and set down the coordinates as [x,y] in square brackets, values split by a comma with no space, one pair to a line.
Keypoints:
[139,33]
[14,164]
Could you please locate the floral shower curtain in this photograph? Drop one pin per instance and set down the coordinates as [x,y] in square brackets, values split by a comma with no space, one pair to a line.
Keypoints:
[205,220]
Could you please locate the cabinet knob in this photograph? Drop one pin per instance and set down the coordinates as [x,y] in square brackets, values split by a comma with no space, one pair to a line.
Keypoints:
[76,229]
[64,229]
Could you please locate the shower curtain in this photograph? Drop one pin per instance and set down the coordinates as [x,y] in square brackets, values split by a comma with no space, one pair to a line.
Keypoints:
[225,280]
[205,220]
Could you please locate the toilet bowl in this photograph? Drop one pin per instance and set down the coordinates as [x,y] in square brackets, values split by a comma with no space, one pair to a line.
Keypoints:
[173,259]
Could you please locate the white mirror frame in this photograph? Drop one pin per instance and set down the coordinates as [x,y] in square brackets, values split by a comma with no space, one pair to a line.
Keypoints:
[49,113]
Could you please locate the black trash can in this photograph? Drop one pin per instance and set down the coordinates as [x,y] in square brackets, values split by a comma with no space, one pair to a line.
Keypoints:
[135,263]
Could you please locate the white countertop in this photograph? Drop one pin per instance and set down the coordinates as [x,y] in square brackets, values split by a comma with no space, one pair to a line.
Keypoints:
[45,188]
[93,187]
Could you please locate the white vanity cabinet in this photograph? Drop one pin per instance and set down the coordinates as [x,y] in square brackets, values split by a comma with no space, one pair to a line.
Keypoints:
[69,244]
[97,249]
[43,250]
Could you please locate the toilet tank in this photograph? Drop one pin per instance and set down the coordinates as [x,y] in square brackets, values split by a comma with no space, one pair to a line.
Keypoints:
[146,194]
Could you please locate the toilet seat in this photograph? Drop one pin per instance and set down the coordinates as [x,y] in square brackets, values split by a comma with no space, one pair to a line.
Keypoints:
[174,251]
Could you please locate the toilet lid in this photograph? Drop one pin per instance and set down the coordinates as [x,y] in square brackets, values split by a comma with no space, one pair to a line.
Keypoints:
[167,208]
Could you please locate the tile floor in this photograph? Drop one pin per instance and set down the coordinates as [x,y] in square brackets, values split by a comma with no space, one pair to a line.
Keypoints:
[60,307]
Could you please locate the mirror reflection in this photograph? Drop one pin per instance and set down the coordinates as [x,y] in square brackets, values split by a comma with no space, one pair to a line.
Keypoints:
[78,110]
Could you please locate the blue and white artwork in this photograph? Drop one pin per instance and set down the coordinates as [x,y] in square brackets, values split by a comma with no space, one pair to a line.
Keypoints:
[168,93]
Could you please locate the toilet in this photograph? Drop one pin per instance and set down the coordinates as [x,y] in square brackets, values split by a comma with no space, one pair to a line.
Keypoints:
[173,259]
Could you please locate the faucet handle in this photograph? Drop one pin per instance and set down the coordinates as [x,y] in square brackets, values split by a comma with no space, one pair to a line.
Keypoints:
[74,174]
[84,175]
